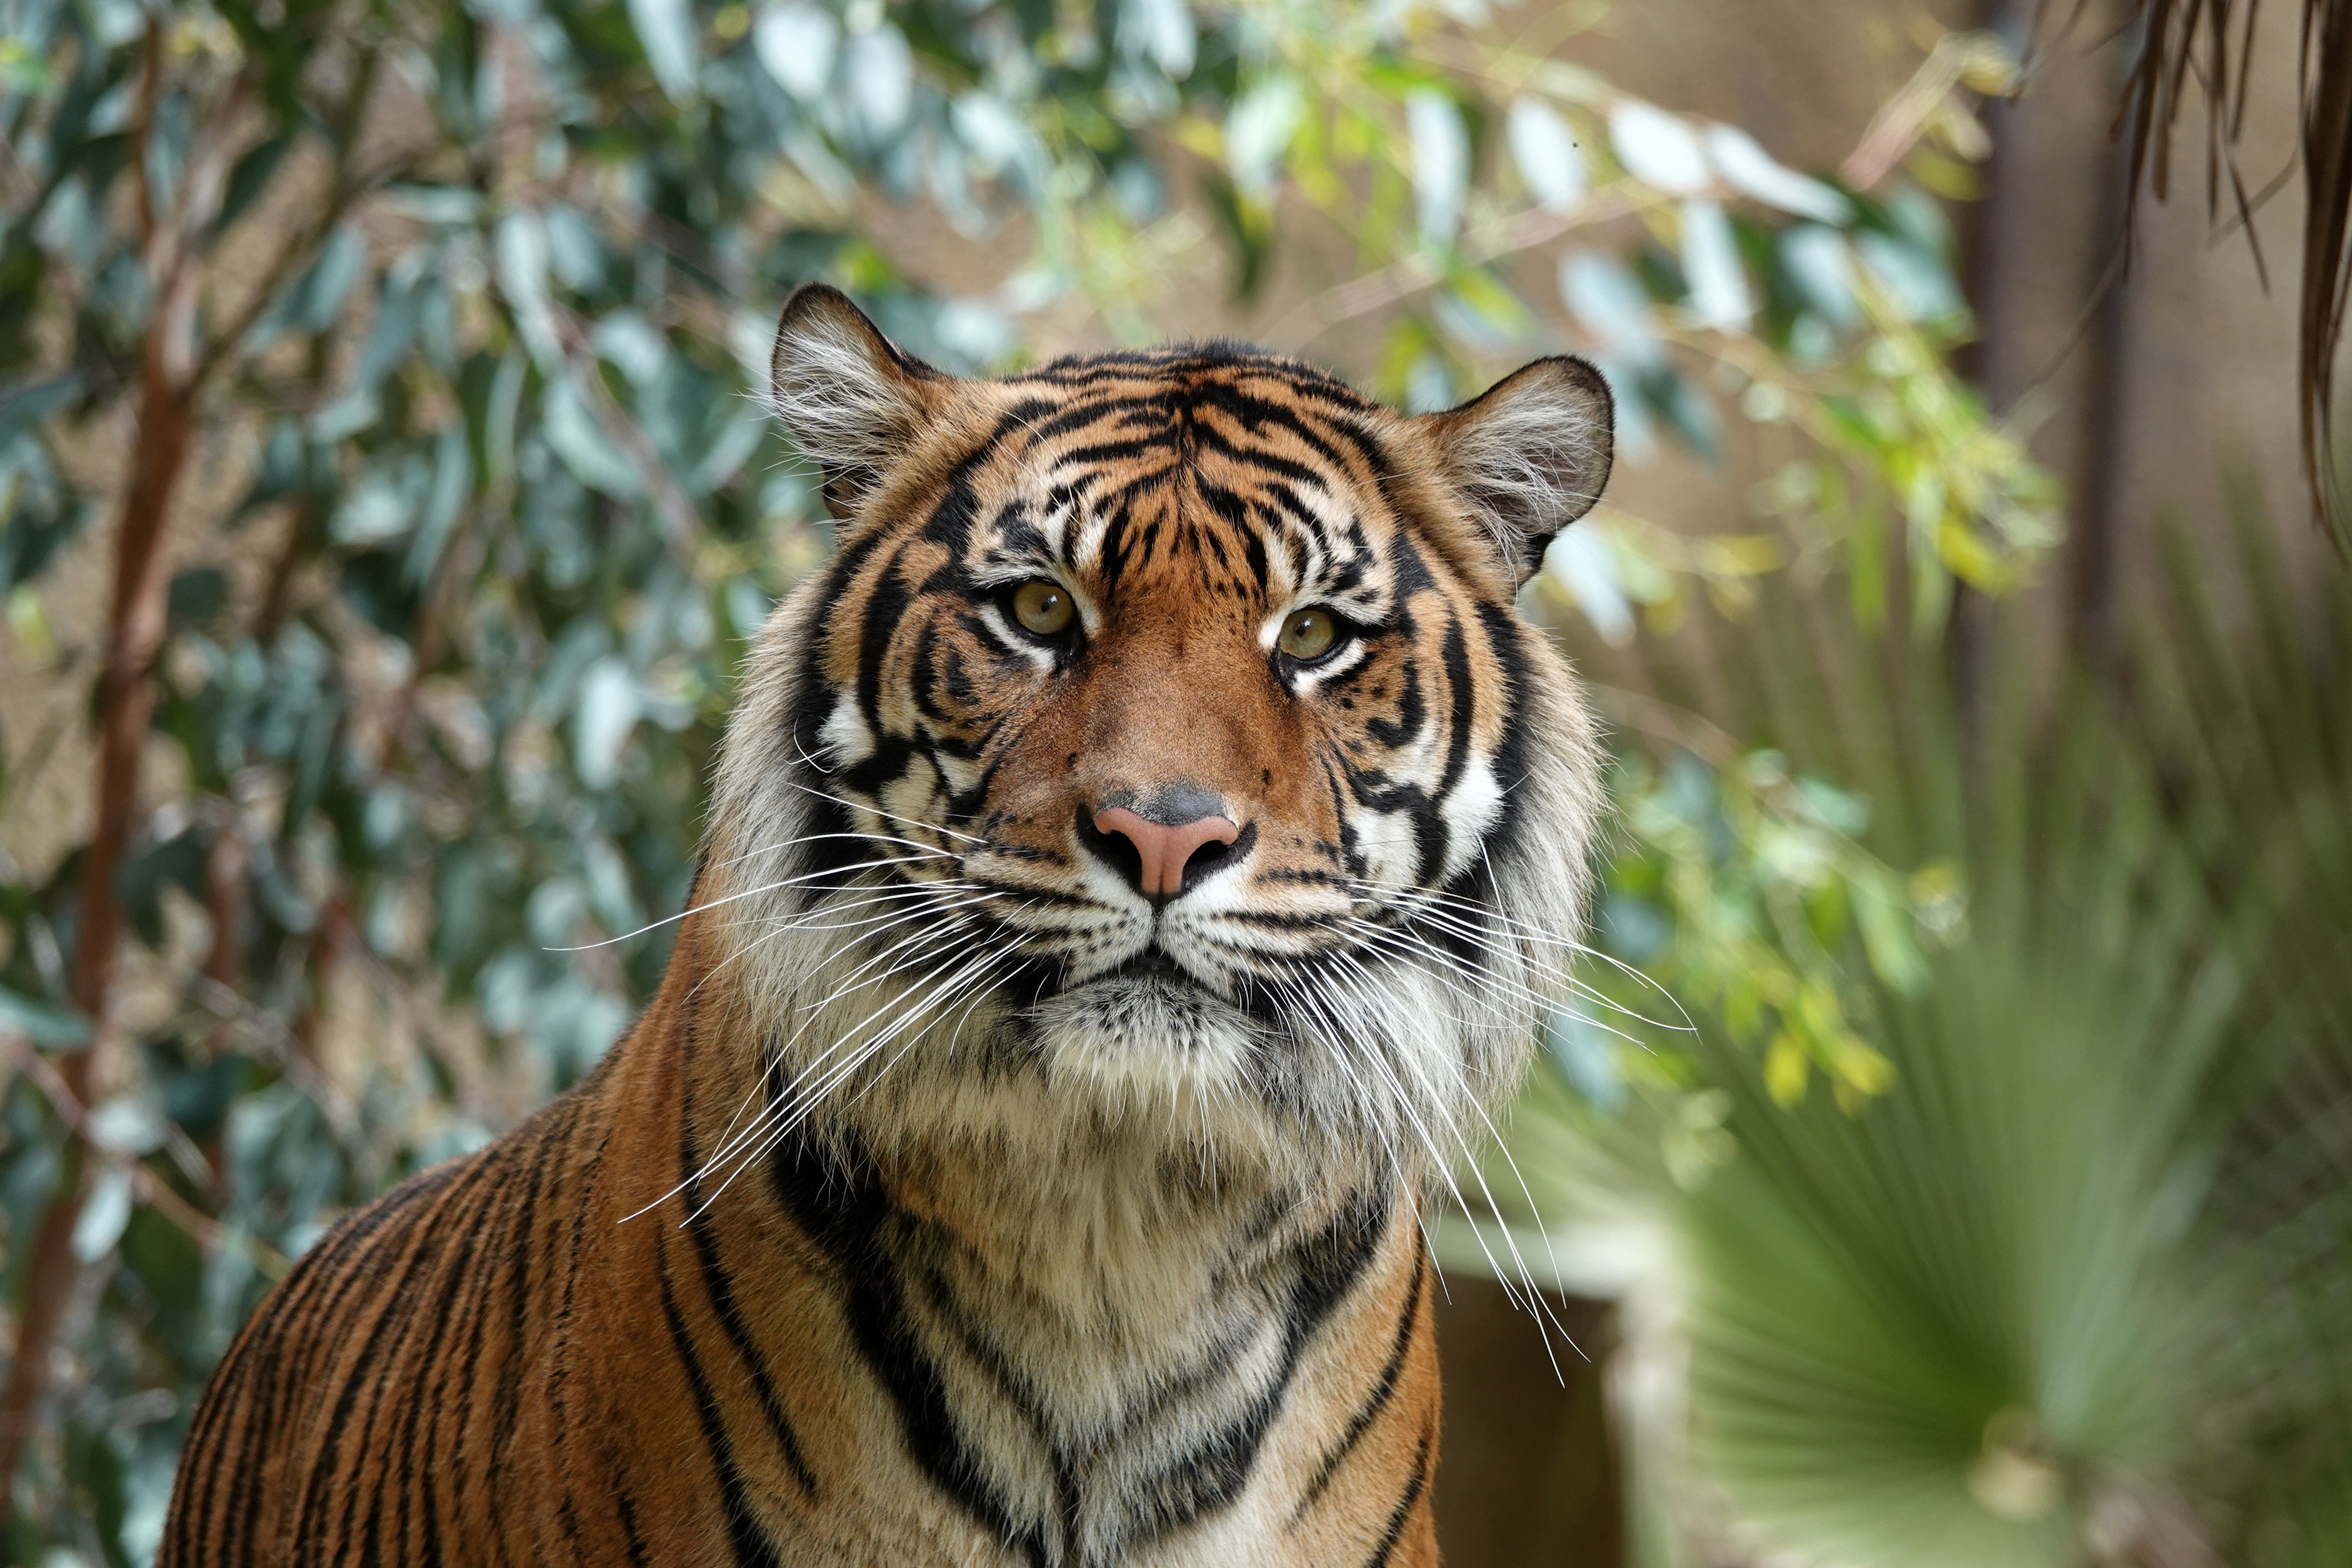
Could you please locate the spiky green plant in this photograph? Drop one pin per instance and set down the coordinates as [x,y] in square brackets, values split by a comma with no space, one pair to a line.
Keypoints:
[2075,1289]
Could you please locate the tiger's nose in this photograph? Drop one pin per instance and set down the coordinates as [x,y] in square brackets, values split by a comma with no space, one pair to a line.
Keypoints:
[1167,834]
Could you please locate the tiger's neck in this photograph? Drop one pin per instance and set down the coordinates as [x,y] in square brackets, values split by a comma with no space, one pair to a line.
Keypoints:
[1092,1346]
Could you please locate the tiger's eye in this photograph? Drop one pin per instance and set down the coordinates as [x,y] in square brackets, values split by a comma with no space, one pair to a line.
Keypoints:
[1043,609]
[1309,634]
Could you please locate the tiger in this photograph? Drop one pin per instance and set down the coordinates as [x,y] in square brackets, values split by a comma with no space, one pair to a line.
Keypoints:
[1138,863]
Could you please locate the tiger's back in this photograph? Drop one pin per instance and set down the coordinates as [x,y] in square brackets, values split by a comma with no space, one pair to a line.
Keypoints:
[1135,861]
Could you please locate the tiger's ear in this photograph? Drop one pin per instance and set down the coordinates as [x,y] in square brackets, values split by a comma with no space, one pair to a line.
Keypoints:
[853,402]
[1530,454]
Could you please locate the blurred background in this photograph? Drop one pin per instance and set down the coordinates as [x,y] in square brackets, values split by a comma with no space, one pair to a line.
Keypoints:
[1946,1161]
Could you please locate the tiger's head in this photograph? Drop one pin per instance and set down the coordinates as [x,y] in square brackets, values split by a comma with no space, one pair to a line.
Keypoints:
[1161,756]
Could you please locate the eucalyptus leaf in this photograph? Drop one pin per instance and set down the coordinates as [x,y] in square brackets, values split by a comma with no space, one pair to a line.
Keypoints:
[521,248]
[104,1214]
[879,71]
[1547,155]
[1440,164]
[1746,168]
[610,702]
[1819,262]
[1578,559]
[1160,31]
[665,28]
[1258,132]
[45,1023]
[1718,284]
[797,44]
[574,436]
[1659,149]
[1611,305]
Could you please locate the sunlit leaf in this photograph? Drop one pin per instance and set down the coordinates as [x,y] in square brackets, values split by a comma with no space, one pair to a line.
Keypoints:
[1746,168]
[1610,304]
[43,1023]
[1258,132]
[610,703]
[1547,155]
[104,1212]
[1820,263]
[797,43]
[576,437]
[665,28]
[1718,284]
[1657,147]
[1920,289]
[1441,162]
[1578,561]
[879,71]
[1160,31]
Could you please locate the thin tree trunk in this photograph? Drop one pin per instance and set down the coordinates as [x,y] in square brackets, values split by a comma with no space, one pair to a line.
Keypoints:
[126,707]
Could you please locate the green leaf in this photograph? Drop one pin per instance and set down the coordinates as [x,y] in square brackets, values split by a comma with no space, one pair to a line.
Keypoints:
[248,178]
[1258,133]
[797,44]
[665,28]
[25,407]
[1160,31]
[1718,284]
[45,1023]
[1752,171]
[611,699]
[314,301]
[1440,164]
[1547,155]
[103,1214]
[878,70]
[1659,149]
[575,437]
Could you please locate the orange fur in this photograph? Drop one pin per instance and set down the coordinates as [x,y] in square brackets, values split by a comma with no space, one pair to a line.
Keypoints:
[1079,1226]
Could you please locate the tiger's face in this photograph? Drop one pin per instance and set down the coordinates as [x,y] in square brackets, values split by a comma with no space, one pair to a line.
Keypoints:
[1163,749]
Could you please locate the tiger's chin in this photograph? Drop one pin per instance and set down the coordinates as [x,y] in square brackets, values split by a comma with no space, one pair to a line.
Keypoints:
[1141,1067]
[1144,1032]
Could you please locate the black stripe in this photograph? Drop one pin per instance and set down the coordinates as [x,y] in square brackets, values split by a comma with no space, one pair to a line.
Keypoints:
[1213,1476]
[385,1389]
[464,1284]
[559,1374]
[1404,1509]
[716,1281]
[625,1507]
[1503,636]
[751,1548]
[469,1229]
[318,1490]
[507,1393]
[839,1201]
[1463,697]
[1383,1390]
[284,1325]
[479,1300]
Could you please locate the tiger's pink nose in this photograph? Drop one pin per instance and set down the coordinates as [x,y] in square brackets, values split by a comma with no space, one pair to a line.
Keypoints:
[1164,847]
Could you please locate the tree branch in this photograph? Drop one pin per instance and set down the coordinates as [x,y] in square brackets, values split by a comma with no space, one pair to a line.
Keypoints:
[153,1191]
[126,711]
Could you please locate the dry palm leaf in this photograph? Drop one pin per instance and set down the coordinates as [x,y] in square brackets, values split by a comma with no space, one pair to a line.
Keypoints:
[2211,41]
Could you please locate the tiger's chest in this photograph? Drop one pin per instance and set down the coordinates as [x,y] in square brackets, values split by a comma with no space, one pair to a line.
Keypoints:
[1088,1363]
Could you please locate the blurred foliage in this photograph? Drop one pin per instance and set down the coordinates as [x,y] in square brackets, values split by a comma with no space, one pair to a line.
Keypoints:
[2074,1290]
[466,301]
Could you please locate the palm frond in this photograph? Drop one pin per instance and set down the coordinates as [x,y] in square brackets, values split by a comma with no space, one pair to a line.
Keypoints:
[2077,1285]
